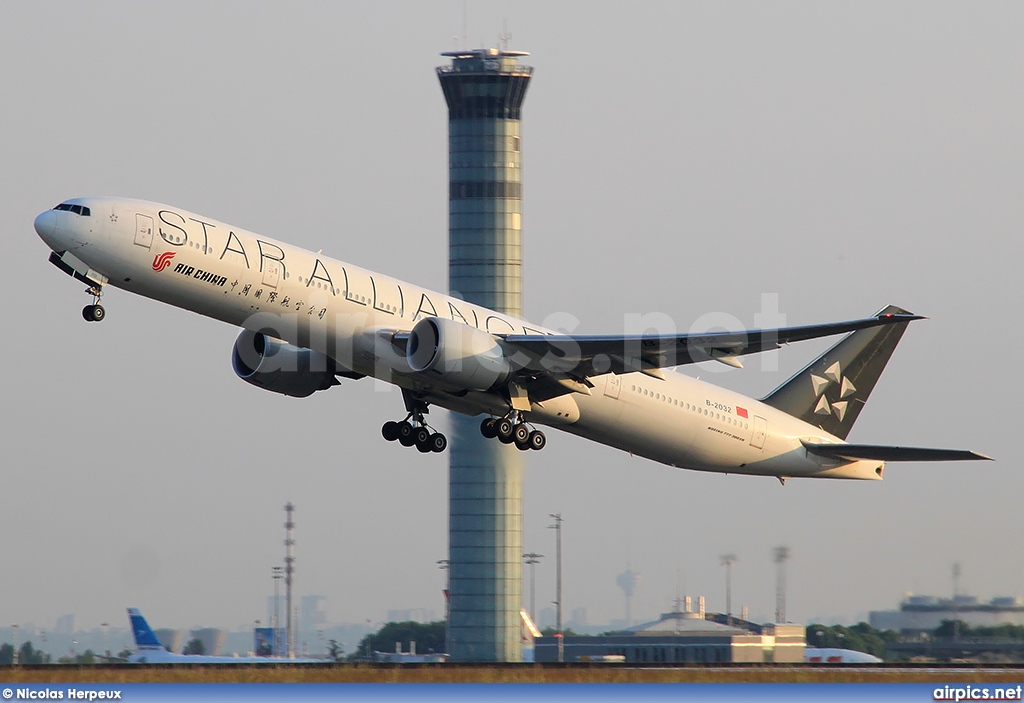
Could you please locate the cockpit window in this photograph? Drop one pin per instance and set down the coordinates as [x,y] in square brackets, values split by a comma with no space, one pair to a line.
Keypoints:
[77,209]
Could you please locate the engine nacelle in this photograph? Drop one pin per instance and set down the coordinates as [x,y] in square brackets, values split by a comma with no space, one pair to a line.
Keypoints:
[456,354]
[276,365]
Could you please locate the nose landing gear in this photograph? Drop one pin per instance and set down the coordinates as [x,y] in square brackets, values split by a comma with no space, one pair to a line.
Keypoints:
[512,430]
[94,312]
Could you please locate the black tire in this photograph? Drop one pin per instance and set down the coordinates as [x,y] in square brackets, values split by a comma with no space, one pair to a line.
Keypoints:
[522,446]
[390,431]
[504,429]
[98,313]
[421,435]
[488,428]
[87,313]
[438,442]
[521,433]
[423,448]
[537,440]
[405,434]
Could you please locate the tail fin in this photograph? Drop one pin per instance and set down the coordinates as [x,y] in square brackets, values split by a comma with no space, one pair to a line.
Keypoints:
[831,391]
[144,636]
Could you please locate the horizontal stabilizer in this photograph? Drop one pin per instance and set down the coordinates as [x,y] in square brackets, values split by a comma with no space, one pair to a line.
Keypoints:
[879,452]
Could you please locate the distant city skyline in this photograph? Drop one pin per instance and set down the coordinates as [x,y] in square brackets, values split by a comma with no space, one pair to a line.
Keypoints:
[580,618]
[59,641]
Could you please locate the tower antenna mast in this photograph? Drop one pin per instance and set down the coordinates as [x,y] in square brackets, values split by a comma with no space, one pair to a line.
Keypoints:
[289,571]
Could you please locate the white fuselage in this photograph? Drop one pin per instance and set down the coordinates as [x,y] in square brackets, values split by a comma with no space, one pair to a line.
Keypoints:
[350,314]
[159,655]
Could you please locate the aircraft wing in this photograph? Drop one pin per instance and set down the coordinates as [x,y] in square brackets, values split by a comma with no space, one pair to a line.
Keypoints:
[579,356]
[879,452]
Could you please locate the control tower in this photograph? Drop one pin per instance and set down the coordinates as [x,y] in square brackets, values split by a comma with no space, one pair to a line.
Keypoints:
[484,89]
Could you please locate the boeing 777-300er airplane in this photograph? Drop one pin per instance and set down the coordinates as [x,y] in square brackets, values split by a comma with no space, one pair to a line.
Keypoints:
[308,319]
[148,650]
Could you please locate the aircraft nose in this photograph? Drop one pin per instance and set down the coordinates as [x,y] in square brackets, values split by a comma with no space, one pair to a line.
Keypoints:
[46,226]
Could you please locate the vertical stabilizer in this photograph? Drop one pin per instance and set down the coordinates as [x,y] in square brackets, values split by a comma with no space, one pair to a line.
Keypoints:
[831,391]
[144,636]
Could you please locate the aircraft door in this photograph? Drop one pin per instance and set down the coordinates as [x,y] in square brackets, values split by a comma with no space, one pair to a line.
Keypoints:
[144,230]
[612,385]
[760,431]
[271,272]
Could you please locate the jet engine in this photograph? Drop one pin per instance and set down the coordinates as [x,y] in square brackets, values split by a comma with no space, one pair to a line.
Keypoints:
[276,365]
[456,354]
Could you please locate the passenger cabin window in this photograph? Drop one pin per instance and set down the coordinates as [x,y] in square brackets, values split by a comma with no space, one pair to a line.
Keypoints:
[77,209]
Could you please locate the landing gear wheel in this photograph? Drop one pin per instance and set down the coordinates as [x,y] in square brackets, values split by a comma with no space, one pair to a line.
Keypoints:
[537,440]
[424,448]
[522,446]
[390,431]
[438,442]
[421,435]
[488,428]
[93,313]
[520,433]
[405,434]
[504,428]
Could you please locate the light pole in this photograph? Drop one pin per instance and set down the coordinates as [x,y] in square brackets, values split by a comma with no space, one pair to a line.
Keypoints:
[445,565]
[532,559]
[277,573]
[106,648]
[727,561]
[956,602]
[14,631]
[781,556]
[557,527]
[369,637]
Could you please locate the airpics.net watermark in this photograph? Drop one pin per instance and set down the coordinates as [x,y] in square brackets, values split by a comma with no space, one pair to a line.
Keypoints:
[978,693]
[350,342]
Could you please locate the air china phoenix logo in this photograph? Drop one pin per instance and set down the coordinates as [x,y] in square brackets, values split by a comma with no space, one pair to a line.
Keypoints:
[162,261]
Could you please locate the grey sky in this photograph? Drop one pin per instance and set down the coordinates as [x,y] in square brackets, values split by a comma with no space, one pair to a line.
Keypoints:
[683,158]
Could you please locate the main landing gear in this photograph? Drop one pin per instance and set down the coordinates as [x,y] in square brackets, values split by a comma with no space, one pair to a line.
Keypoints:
[413,430]
[94,312]
[512,430]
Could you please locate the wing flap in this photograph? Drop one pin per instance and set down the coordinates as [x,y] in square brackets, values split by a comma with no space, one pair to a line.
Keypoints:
[880,452]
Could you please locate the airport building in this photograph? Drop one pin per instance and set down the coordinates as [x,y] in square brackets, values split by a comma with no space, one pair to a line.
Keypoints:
[919,614]
[172,640]
[212,639]
[684,637]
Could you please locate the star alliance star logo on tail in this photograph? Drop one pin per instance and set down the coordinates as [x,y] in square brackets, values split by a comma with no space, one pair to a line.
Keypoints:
[162,261]
[833,375]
